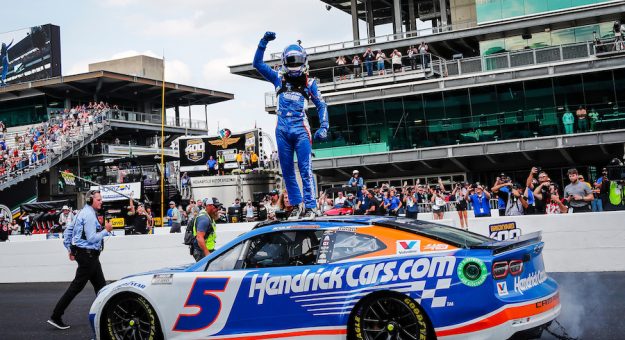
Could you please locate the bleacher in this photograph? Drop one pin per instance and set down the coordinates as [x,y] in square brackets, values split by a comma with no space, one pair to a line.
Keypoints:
[77,138]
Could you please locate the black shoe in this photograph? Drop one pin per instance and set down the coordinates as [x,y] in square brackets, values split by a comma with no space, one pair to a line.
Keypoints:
[58,323]
[297,212]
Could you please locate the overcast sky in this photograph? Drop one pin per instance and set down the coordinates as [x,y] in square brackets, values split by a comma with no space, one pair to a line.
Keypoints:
[200,39]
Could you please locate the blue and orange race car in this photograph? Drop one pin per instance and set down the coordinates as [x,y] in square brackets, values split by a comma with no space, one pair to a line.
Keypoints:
[353,277]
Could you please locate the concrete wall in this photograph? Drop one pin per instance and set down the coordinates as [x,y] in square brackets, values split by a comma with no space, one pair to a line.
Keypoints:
[573,243]
[141,66]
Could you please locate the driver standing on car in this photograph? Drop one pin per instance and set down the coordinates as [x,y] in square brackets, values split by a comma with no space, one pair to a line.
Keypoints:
[83,241]
[205,229]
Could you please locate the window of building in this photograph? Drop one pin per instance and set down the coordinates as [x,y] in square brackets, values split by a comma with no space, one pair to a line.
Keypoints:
[569,91]
[358,132]
[599,90]
[377,121]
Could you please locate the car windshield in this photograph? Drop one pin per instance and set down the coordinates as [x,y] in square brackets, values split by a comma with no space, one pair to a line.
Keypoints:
[439,231]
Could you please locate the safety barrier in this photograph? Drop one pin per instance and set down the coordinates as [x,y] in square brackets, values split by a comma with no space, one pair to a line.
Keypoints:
[590,242]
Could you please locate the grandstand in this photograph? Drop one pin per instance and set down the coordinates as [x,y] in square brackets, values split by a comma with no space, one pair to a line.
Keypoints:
[107,121]
[488,95]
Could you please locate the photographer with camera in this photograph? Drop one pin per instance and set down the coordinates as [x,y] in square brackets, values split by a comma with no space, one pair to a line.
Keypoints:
[578,194]
[555,204]
[515,202]
[83,240]
[502,190]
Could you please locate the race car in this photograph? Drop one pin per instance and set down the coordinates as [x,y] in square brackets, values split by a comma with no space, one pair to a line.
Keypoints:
[355,277]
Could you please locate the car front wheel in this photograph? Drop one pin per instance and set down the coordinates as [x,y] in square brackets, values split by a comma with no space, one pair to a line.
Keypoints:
[130,316]
[389,317]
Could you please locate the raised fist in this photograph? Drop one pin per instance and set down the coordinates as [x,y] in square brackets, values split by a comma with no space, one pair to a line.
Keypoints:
[269,36]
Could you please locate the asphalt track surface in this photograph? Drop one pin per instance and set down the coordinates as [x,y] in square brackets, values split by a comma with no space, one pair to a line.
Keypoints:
[593,307]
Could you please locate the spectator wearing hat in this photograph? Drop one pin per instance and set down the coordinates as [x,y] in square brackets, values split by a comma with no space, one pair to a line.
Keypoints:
[501,192]
[205,229]
[479,199]
[356,182]
[138,218]
[273,205]
[173,218]
[351,201]
[66,218]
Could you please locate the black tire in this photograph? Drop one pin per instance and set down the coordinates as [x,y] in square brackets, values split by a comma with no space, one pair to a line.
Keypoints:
[130,316]
[389,316]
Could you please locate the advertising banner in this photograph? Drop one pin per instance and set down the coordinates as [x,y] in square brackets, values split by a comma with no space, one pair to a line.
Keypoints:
[30,54]
[111,192]
[196,151]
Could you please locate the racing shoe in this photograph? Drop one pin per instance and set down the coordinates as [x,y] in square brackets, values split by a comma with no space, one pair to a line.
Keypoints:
[297,212]
[58,323]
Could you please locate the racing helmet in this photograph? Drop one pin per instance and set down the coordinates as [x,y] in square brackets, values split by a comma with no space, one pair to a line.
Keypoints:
[295,60]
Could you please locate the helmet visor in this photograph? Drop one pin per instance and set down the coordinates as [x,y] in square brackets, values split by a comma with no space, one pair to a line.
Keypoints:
[294,60]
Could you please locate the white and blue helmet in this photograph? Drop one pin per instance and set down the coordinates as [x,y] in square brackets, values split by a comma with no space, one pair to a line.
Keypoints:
[295,60]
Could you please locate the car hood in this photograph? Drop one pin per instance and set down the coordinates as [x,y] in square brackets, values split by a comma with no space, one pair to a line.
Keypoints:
[166,270]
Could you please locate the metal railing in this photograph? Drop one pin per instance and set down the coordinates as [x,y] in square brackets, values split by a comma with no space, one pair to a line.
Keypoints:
[57,152]
[384,38]
[149,118]
[437,66]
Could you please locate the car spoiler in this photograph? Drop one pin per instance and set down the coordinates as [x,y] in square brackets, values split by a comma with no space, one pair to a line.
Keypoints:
[499,247]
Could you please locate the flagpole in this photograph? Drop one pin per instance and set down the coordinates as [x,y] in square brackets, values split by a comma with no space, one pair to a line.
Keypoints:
[163,147]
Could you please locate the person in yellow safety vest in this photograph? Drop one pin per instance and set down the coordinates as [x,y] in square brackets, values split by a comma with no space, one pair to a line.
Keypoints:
[221,162]
[254,159]
[204,229]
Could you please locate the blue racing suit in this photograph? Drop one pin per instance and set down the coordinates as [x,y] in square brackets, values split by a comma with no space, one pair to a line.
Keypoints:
[293,131]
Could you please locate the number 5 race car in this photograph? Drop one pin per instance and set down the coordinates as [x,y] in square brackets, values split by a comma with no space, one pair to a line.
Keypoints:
[354,277]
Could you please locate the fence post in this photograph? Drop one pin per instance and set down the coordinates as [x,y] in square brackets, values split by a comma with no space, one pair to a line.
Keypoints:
[459,67]
[534,57]
[561,55]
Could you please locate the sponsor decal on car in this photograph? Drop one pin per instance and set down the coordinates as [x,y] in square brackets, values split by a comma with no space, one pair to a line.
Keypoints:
[521,284]
[472,271]
[405,247]
[434,247]
[162,279]
[354,276]
[502,288]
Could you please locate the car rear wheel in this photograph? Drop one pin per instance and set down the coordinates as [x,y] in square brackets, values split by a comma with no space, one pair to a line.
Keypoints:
[395,317]
[130,316]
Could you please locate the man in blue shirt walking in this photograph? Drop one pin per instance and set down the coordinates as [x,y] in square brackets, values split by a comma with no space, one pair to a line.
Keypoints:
[83,241]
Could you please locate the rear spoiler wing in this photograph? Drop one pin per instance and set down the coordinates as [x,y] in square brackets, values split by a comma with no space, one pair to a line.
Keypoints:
[499,247]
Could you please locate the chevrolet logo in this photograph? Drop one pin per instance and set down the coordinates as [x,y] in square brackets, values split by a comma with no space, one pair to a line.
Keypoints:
[224,142]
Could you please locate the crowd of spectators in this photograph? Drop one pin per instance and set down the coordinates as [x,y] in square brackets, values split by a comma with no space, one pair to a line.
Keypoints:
[25,149]
[538,194]
[416,57]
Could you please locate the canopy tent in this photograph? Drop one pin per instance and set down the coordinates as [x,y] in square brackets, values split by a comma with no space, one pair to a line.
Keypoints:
[43,206]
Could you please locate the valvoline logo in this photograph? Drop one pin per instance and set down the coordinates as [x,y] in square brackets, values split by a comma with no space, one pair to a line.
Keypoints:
[408,246]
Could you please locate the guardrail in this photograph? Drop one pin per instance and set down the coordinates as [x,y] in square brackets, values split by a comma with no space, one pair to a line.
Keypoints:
[384,38]
[149,118]
[437,66]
